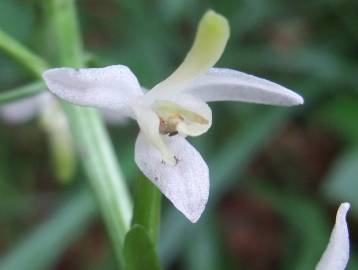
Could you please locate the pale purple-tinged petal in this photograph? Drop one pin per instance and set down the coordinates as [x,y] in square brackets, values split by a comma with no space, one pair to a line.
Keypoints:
[336,255]
[221,84]
[185,184]
[112,87]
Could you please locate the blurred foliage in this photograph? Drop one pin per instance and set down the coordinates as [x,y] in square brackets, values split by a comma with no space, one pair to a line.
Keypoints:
[286,168]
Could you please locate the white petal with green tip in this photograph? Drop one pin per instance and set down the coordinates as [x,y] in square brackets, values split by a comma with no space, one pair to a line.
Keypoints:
[209,44]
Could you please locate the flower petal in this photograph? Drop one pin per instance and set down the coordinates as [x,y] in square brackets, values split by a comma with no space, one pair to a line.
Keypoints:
[336,254]
[220,84]
[23,110]
[212,35]
[185,184]
[112,87]
[148,122]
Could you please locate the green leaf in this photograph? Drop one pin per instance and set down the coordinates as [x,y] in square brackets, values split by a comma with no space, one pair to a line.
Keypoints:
[138,251]
[47,242]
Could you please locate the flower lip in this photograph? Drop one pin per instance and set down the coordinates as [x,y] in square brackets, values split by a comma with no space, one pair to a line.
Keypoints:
[189,119]
[174,118]
[186,184]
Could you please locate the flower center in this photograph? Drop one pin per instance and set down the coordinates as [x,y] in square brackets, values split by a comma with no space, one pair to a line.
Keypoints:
[170,124]
[175,118]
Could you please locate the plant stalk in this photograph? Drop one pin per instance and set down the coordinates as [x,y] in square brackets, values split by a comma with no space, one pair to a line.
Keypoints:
[90,136]
[100,162]
[147,207]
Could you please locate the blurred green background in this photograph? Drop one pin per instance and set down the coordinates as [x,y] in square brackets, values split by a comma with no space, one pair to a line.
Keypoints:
[277,174]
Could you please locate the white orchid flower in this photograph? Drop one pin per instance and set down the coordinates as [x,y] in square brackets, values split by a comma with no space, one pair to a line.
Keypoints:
[173,109]
[336,255]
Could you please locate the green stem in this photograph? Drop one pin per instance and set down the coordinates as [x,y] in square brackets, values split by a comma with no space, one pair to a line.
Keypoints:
[102,170]
[96,153]
[147,207]
[19,53]
[90,135]
[22,92]
[63,20]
